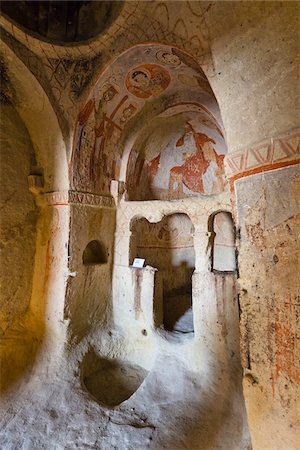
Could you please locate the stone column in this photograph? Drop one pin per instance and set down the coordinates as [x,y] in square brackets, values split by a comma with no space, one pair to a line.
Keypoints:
[51,266]
[203,287]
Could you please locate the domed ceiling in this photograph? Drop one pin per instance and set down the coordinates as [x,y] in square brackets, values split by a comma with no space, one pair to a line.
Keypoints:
[62,21]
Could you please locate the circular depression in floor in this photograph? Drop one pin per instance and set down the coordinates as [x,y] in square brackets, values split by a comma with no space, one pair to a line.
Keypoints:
[110,381]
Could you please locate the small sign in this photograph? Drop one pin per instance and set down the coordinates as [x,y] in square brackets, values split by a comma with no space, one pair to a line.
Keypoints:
[138,263]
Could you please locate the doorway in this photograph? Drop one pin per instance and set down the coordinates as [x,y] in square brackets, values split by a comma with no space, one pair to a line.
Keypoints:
[168,246]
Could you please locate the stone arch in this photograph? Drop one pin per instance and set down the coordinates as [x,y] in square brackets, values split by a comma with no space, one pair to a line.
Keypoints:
[182,158]
[63,23]
[94,253]
[41,121]
[123,30]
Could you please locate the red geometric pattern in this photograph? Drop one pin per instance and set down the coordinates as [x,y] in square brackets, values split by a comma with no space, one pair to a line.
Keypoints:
[272,151]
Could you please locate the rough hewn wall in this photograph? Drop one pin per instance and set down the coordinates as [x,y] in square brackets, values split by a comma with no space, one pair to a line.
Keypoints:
[256,61]
[89,287]
[269,280]
[255,70]
[18,217]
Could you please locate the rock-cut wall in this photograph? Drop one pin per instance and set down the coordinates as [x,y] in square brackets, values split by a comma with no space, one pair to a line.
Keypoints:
[18,217]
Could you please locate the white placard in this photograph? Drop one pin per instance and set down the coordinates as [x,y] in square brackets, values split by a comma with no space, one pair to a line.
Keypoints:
[138,263]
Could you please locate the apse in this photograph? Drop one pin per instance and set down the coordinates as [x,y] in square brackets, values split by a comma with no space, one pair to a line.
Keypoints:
[151,122]
[178,155]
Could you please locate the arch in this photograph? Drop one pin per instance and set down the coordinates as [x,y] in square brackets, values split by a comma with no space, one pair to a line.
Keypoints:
[94,253]
[63,22]
[41,122]
[178,154]
[125,33]
[50,258]
[125,92]
[223,250]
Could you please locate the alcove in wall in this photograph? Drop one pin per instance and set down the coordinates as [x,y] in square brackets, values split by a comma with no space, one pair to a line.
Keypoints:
[94,253]
[177,157]
[168,246]
[223,253]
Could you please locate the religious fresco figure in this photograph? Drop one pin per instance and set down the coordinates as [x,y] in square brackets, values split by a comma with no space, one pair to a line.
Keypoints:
[147,80]
[104,128]
[94,132]
[192,172]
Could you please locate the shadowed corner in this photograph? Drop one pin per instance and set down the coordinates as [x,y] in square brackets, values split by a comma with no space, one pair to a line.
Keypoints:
[19,349]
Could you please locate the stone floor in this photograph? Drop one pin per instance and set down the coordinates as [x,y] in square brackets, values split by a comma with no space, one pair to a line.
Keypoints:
[174,407]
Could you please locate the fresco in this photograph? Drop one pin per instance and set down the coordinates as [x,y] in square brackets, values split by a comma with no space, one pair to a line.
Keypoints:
[200,172]
[139,75]
[191,164]
[147,80]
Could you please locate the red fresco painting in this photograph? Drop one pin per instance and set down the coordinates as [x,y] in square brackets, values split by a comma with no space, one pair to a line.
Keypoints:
[104,130]
[190,173]
[147,80]
[98,163]
[153,167]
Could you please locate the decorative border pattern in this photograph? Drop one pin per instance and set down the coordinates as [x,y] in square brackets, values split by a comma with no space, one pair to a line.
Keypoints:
[61,198]
[56,198]
[274,151]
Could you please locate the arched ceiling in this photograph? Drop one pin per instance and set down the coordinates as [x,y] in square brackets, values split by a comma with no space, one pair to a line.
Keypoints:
[147,72]
[147,81]
[171,124]
[38,115]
